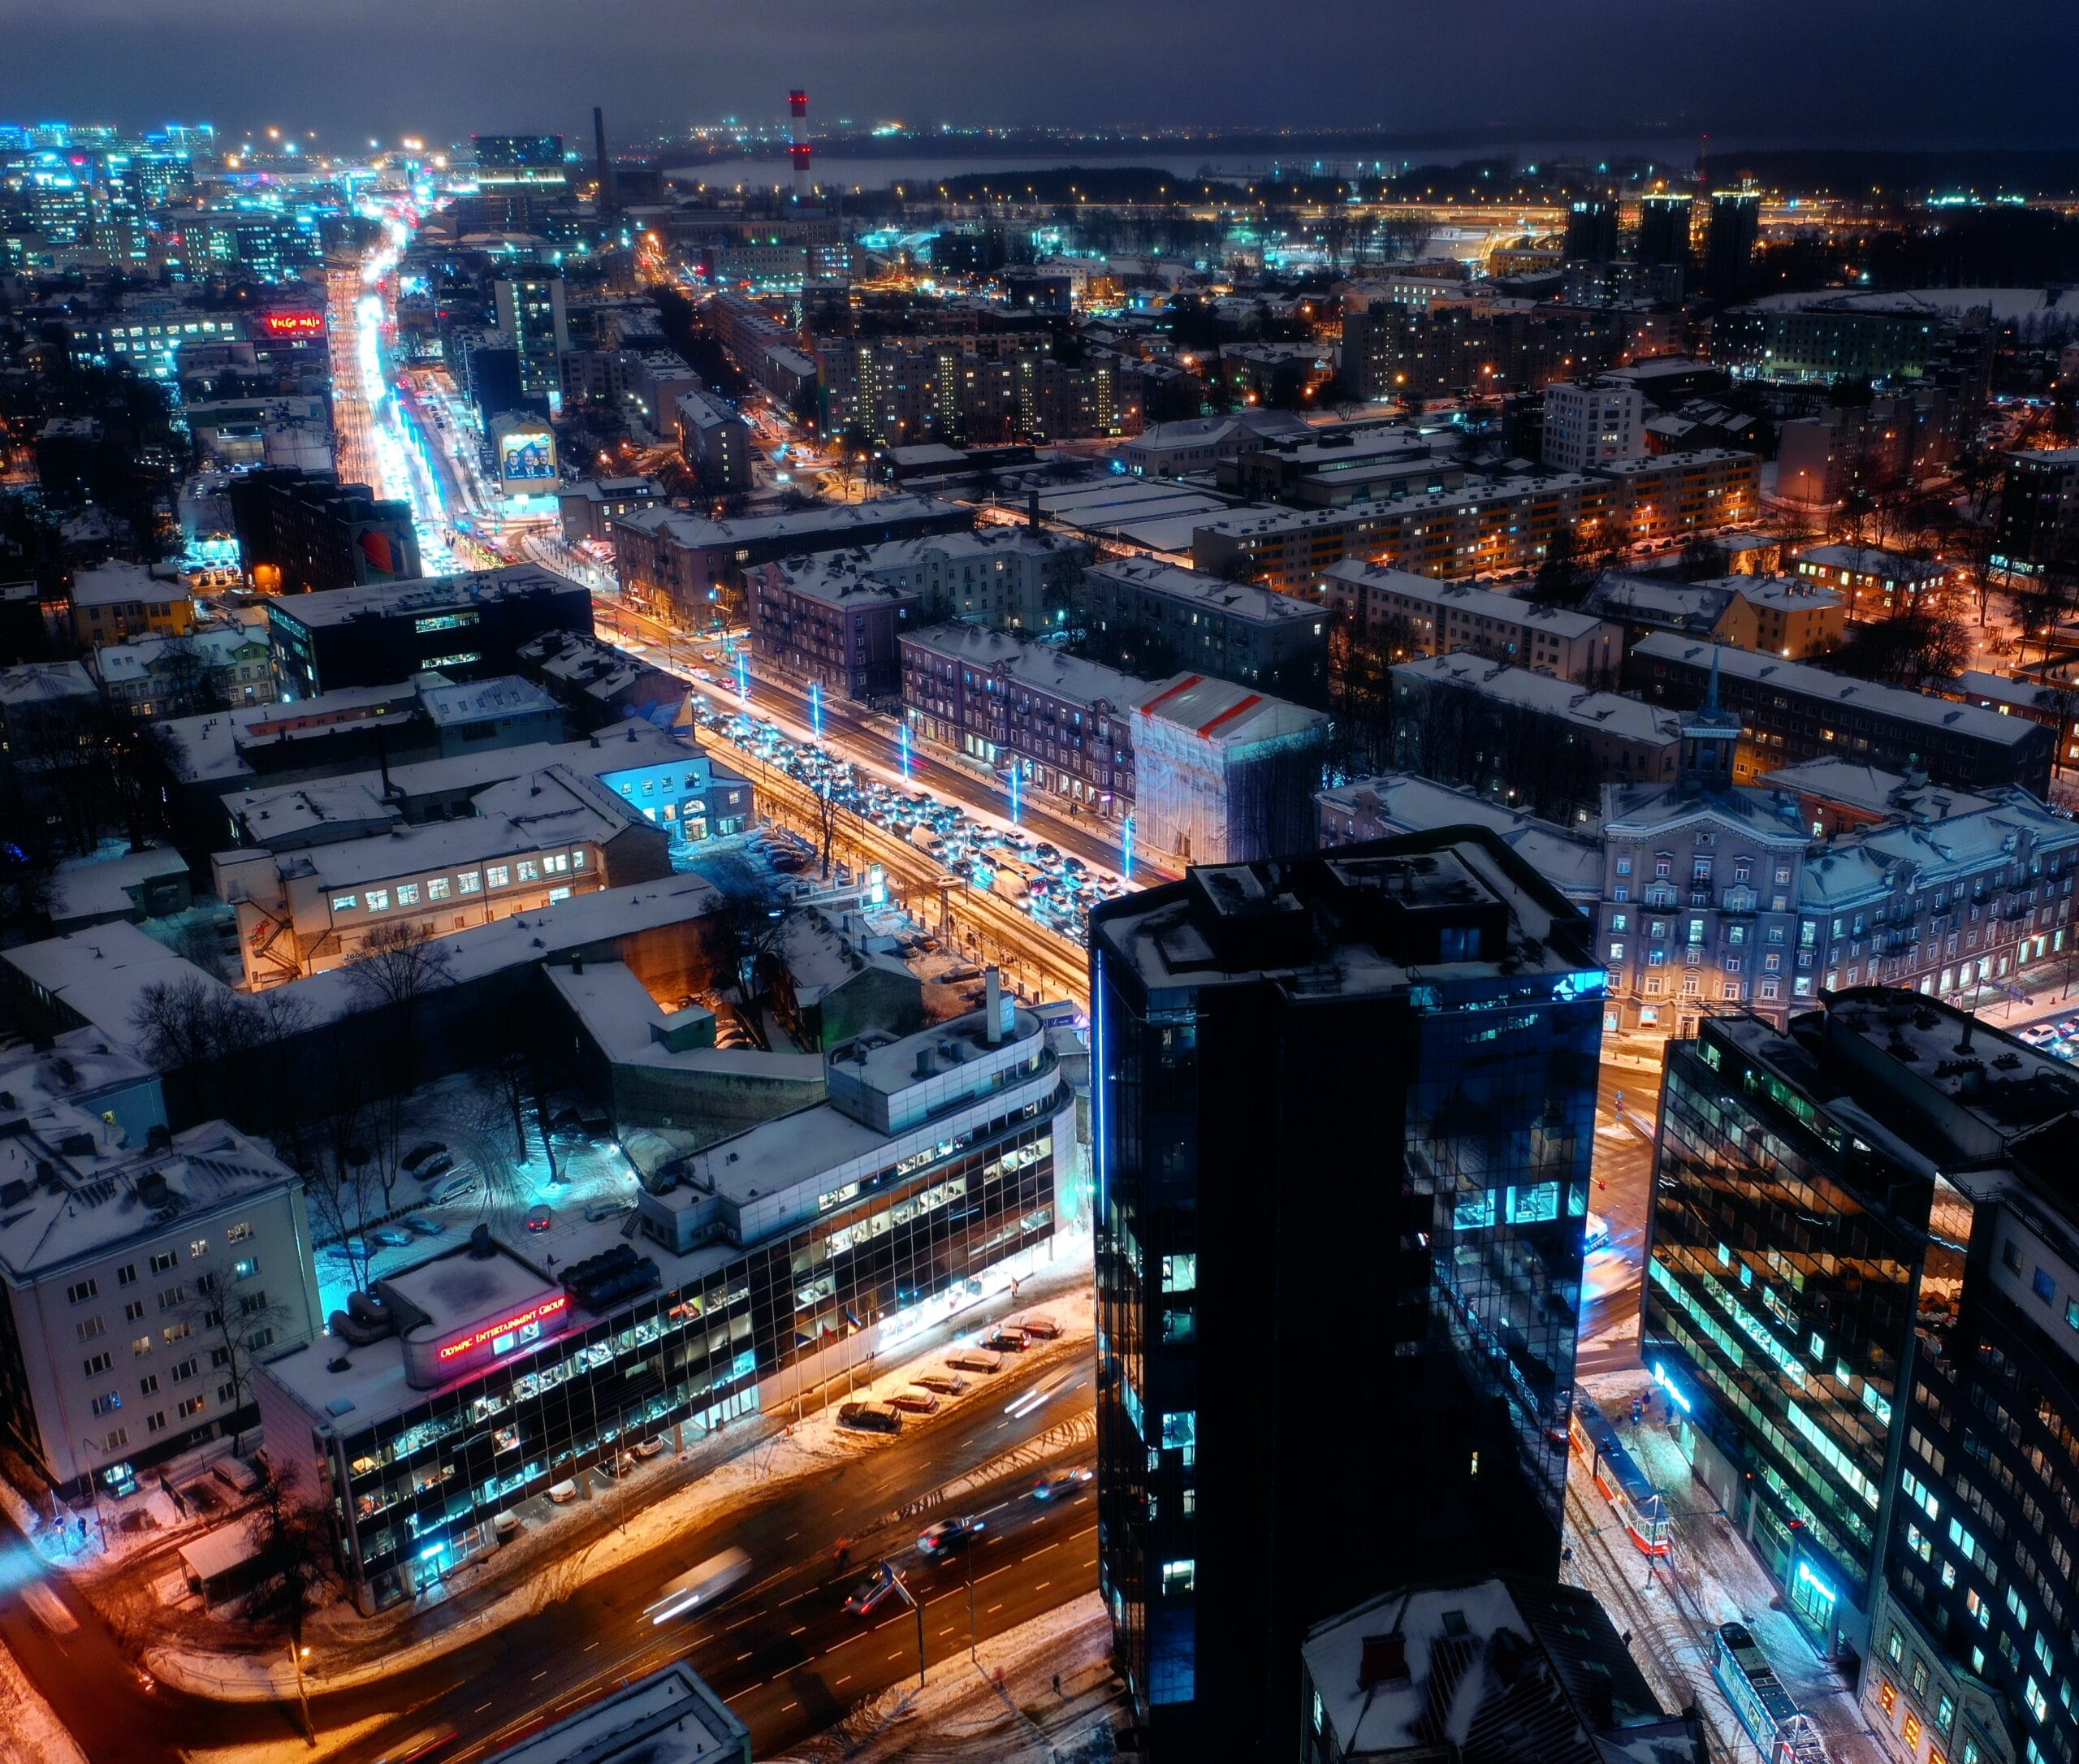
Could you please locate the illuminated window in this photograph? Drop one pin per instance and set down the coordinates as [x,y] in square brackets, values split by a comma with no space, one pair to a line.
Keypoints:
[437,889]
[1913,1730]
[378,899]
[343,902]
[529,871]
[498,874]
[1887,1694]
[470,881]
[1179,1576]
[408,893]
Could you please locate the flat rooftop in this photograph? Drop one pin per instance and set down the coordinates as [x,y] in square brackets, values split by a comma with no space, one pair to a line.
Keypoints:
[1239,600]
[1632,719]
[669,1718]
[427,595]
[1479,602]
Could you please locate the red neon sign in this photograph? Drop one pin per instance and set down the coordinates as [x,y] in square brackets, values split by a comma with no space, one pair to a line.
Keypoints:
[491,1331]
[292,324]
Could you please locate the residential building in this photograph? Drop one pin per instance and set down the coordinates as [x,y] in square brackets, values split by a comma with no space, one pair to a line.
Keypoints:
[1226,774]
[818,619]
[1502,1670]
[669,1717]
[714,442]
[1592,231]
[1419,616]
[529,842]
[1065,725]
[142,1276]
[1259,1032]
[1735,221]
[1899,439]
[468,627]
[1492,526]
[115,602]
[698,569]
[46,708]
[1524,738]
[1589,423]
[602,686]
[1195,444]
[587,506]
[529,305]
[1876,583]
[830,984]
[1331,467]
[1791,711]
[1026,579]
[2038,509]
[1150,617]
[2053,703]
[776,1258]
[1663,235]
[213,667]
[1824,338]
[298,531]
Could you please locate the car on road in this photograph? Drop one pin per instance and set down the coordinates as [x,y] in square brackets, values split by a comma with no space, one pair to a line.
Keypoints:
[700,1586]
[423,1224]
[420,1747]
[389,1237]
[539,1218]
[871,1593]
[915,1402]
[460,1189]
[948,1535]
[1058,1484]
[870,1417]
[2038,1034]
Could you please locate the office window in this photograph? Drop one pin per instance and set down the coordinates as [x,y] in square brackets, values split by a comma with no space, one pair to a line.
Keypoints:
[97,1365]
[378,899]
[94,1326]
[127,1274]
[1179,1576]
[103,1405]
[529,871]
[470,881]
[2044,1287]
[342,902]
[199,1248]
[498,874]
[437,889]
[408,893]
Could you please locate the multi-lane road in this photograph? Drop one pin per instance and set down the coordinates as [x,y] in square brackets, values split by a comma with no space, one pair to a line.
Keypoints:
[782,1650]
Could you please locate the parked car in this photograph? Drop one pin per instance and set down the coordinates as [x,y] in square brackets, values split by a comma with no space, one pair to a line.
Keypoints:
[974,1359]
[390,1236]
[1044,1328]
[948,1535]
[562,1492]
[870,1417]
[438,1165]
[1006,1341]
[871,1593]
[539,1218]
[608,1207]
[423,1225]
[619,1464]
[419,1154]
[460,1189]
[1058,1485]
[915,1402]
[648,1448]
[942,1383]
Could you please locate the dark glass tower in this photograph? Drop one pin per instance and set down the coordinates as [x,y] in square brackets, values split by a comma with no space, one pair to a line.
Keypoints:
[1343,1117]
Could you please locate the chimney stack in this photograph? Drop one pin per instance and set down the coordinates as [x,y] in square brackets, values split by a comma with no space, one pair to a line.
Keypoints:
[1032,509]
[992,1004]
[798,148]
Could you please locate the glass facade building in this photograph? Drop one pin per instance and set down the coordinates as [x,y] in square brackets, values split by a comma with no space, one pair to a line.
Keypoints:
[1342,1119]
[867,1251]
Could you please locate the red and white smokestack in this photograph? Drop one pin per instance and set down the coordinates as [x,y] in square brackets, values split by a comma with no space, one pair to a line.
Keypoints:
[798,148]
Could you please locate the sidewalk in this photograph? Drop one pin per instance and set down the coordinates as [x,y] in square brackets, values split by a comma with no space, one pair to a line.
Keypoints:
[741,1468]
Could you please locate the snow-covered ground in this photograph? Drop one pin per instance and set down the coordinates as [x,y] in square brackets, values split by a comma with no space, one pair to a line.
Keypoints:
[968,1712]
[30,1731]
[1710,1576]
[548,1568]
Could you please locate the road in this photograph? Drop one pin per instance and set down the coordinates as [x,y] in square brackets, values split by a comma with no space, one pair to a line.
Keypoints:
[1621,1196]
[789,1658]
[861,735]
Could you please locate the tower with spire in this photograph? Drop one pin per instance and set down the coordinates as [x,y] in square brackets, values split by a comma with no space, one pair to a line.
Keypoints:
[1711,736]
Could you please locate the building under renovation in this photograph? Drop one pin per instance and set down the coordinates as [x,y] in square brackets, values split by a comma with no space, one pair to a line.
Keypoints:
[1226,775]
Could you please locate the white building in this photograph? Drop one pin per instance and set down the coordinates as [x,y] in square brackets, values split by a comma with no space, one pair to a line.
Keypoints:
[113,1238]
[1589,423]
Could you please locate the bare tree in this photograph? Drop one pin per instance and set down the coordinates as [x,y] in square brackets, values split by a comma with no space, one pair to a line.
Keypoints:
[292,1566]
[238,1322]
[391,975]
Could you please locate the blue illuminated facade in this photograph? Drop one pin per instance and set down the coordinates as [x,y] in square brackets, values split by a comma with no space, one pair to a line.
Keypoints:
[1342,1108]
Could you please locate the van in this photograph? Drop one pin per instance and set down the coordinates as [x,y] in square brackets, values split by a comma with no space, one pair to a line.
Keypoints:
[974,1359]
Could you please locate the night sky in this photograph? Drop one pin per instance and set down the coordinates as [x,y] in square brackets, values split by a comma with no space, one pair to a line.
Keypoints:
[1849,72]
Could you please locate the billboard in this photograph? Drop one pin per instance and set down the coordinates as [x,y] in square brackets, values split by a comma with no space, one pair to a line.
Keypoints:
[527,460]
[292,324]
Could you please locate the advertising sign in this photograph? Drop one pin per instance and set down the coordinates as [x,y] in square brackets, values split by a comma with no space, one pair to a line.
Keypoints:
[526,456]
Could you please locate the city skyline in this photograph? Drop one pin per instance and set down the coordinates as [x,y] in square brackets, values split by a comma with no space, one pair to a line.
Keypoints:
[1608,72]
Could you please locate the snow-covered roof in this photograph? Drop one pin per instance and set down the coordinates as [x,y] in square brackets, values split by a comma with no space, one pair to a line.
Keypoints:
[96,887]
[474,700]
[1405,802]
[1223,714]
[1040,666]
[1630,718]
[44,683]
[423,595]
[113,584]
[1235,600]
[1467,597]
[669,1718]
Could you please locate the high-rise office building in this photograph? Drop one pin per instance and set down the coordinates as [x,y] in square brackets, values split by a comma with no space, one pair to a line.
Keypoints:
[1591,231]
[1864,1298]
[1729,251]
[530,312]
[1343,1115]
[1663,230]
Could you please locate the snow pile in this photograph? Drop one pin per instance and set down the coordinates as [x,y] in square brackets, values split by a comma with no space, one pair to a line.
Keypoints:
[30,1731]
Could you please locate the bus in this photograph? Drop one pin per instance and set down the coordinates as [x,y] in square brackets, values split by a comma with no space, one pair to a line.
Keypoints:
[1756,1695]
[700,1586]
[1641,1507]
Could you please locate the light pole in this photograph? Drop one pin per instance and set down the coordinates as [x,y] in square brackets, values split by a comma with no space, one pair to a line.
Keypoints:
[297,1650]
[895,1580]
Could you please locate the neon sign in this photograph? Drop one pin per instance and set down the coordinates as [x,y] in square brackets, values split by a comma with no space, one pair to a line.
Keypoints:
[292,324]
[534,1313]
